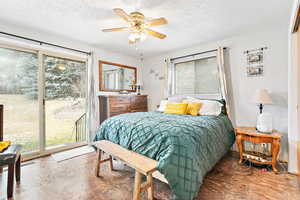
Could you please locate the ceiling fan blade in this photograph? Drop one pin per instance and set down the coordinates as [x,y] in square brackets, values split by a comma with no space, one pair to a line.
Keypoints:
[155,34]
[121,13]
[157,22]
[115,29]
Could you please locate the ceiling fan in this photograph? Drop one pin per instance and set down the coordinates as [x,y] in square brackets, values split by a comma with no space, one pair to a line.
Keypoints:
[139,26]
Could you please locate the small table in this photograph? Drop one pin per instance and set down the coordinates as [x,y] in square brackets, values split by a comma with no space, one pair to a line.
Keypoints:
[252,135]
[11,157]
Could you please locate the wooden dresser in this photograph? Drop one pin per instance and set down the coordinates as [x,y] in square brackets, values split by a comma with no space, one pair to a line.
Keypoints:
[111,105]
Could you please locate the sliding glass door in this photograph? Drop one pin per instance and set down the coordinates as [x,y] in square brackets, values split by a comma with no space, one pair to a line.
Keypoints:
[19,95]
[44,99]
[65,91]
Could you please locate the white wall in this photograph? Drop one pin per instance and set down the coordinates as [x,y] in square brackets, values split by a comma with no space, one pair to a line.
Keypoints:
[275,78]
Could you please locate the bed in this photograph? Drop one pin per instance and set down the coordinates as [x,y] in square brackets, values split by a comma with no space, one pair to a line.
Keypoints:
[186,147]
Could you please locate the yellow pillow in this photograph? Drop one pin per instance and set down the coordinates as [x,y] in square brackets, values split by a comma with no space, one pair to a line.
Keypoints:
[179,108]
[4,145]
[193,107]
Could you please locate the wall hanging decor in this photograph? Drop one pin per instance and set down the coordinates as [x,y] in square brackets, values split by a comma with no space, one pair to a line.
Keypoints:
[255,62]
[156,75]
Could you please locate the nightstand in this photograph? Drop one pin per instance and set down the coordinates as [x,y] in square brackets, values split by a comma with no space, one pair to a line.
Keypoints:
[252,135]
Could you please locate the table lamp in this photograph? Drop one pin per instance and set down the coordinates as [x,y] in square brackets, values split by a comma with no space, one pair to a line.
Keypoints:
[139,87]
[264,120]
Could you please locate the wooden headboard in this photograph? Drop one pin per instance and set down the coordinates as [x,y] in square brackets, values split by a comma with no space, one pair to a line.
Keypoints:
[1,122]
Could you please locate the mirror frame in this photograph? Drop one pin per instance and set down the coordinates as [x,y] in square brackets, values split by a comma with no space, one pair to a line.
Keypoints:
[101,81]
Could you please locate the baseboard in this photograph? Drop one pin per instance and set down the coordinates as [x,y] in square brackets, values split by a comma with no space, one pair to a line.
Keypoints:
[295,174]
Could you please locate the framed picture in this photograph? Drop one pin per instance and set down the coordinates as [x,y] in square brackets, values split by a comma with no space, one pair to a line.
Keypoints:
[255,58]
[257,70]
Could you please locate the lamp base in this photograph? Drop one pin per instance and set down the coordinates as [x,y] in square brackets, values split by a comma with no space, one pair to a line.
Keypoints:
[264,123]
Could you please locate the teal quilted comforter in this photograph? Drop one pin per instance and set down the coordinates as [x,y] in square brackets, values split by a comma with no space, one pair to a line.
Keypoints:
[186,147]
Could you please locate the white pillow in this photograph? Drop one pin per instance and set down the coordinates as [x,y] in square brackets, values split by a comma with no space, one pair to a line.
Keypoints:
[175,99]
[209,107]
[162,105]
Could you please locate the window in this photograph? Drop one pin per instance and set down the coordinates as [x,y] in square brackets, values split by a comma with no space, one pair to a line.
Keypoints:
[199,76]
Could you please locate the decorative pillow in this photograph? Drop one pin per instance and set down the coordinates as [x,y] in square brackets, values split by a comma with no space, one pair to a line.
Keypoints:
[209,107]
[162,105]
[179,108]
[193,107]
[4,145]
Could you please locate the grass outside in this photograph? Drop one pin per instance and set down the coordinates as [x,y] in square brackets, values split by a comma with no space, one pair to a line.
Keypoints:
[21,124]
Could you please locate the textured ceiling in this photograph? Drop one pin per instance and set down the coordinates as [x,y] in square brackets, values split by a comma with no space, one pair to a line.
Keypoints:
[190,21]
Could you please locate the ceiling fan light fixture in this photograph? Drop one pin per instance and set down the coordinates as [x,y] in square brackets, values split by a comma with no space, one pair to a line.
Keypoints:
[137,36]
[143,36]
[139,26]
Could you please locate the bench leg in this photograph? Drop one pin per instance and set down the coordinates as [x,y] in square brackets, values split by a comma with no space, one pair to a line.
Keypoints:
[18,170]
[137,186]
[99,162]
[111,163]
[97,167]
[150,189]
[10,180]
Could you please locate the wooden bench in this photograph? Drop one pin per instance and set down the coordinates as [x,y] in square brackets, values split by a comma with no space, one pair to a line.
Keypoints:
[142,165]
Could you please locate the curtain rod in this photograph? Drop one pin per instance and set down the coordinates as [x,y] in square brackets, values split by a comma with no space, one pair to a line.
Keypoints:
[196,54]
[46,43]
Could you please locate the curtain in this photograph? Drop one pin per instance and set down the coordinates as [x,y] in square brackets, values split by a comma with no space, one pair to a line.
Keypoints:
[92,101]
[221,67]
[225,83]
[169,69]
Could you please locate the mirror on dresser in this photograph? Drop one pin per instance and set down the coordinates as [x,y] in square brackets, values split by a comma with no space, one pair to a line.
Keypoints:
[116,77]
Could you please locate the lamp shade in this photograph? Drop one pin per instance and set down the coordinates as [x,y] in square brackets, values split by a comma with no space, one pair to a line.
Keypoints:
[262,96]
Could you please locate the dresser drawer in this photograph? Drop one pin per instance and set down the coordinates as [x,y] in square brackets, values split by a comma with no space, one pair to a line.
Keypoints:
[139,110]
[139,100]
[119,100]
[116,113]
[138,107]
[121,108]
